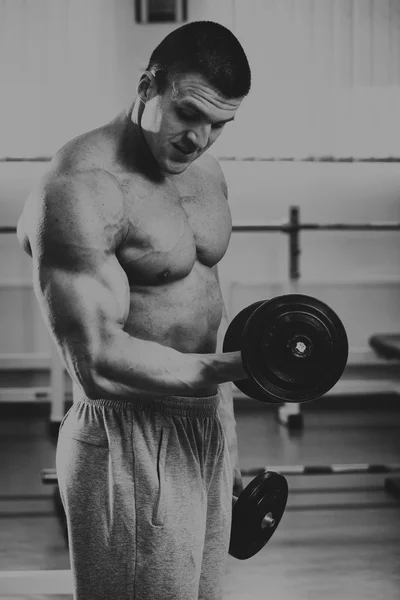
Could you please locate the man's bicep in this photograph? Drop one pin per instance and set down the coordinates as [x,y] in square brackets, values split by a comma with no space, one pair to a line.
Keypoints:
[83,298]
[83,311]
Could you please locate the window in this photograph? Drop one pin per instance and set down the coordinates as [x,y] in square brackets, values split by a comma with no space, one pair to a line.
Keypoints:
[161,11]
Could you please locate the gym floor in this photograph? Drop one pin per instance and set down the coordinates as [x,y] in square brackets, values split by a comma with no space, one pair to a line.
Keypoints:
[339,537]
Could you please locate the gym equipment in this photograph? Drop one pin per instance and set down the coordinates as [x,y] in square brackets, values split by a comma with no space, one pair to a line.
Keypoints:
[386,345]
[257,513]
[294,348]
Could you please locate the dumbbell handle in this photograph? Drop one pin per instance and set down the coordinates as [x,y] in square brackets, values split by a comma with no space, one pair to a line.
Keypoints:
[268,521]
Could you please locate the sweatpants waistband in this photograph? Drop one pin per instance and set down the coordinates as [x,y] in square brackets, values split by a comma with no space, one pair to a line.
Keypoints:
[182,406]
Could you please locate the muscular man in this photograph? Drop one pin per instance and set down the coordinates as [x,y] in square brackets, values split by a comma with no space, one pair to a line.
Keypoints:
[125,231]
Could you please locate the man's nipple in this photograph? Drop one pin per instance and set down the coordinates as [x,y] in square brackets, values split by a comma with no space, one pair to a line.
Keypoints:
[164,275]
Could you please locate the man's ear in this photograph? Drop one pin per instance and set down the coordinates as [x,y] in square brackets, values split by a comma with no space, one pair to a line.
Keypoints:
[147,87]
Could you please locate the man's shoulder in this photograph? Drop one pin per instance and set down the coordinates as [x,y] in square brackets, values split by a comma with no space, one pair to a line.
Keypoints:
[84,152]
[209,166]
[79,182]
[76,204]
[73,192]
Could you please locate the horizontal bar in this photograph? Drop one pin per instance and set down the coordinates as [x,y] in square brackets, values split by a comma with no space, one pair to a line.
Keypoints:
[288,228]
[25,394]
[278,226]
[308,159]
[274,159]
[24,159]
[377,226]
[25,361]
[29,583]
[335,469]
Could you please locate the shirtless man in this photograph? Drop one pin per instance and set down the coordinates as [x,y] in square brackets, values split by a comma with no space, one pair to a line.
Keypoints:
[125,231]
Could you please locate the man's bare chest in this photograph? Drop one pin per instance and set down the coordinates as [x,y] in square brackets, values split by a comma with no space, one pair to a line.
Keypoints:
[171,225]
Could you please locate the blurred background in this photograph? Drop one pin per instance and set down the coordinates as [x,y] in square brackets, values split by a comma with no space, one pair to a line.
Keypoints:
[320,130]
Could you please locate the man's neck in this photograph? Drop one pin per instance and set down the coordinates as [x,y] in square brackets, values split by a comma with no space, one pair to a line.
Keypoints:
[135,149]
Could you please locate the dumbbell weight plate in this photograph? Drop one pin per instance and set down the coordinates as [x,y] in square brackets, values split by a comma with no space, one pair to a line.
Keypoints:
[233,342]
[294,348]
[257,514]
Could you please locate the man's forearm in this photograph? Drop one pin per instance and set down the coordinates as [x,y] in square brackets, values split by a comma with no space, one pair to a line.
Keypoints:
[130,364]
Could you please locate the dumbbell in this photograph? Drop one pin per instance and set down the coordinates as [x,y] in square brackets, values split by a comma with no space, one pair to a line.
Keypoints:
[294,348]
[257,513]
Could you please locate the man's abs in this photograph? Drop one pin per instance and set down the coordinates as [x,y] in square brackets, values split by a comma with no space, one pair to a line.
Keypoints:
[184,314]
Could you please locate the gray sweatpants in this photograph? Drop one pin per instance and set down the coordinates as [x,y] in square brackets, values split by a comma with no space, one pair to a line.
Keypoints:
[147,490]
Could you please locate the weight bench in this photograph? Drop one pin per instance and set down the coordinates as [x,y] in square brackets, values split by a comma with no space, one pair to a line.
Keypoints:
[387,346]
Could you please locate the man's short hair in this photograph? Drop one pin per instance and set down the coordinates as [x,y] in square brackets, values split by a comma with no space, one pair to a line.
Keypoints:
[208,49]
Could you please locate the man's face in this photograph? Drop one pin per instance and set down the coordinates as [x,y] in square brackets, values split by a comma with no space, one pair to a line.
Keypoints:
[180,124]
